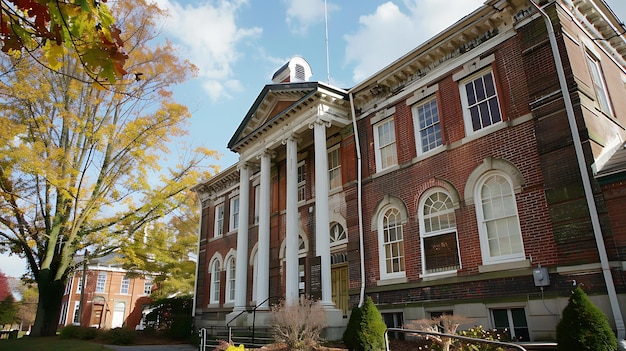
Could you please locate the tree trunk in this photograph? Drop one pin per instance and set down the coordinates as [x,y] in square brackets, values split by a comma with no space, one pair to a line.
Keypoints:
[49,306]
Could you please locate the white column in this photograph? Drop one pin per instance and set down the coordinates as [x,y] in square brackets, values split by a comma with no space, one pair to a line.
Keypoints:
[263,254]
[241,264]
[322,230]
[292,235]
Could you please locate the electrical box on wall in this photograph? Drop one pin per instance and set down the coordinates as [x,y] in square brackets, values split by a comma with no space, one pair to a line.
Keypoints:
[541,276]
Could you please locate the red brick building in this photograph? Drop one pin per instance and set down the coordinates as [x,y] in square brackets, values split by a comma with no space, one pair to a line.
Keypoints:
[110,298]
[450,181]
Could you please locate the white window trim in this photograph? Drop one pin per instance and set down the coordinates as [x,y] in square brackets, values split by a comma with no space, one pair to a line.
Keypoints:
[74,312]
[215,278]
[592,58]
[482,230]
[467,117]
[104,282]
[422,227]
[218,230]
[377,146]
[301,184]
[231,284]
[233,222]
[416,127]
[127,286]
[337,168]
[382,263]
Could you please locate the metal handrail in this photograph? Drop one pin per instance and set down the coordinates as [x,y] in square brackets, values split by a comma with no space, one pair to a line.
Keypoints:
[253,310]
[452,336]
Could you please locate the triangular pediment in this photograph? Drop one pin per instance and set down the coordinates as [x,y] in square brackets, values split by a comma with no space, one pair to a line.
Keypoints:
[274,105]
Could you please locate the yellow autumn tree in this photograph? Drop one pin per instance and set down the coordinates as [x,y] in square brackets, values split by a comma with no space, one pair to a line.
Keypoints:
[79,165]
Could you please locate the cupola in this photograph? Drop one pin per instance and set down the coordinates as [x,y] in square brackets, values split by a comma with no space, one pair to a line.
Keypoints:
[295,70]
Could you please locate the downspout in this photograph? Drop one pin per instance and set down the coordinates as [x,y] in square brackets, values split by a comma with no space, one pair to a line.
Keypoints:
[359,199]
[593,212]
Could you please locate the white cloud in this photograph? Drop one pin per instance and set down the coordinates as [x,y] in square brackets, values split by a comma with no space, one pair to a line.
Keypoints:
[303,13]
[389,32]
[210,35]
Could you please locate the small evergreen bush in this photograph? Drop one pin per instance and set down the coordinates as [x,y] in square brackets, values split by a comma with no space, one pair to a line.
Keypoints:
[583,326]
[76,332]
[119,336]
[366,329]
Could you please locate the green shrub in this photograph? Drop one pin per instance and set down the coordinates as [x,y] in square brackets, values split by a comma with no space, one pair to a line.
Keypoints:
[583,326]
[119,336]
[366,328]
[76,332]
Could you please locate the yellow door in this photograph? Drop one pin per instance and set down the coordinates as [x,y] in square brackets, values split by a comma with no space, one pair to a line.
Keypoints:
[339,277]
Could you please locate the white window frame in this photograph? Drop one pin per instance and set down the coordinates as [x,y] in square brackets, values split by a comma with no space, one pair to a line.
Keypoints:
[334,168]
[338,234]
[219,221]
[101,282]
[513,221]
[301,174]
[467,116]
[417,110]
[68,285]
[257,201]
[230,279]
[215,270]
[75,314]
[147,285]
[383,244]
[234,213]
[79,286]
[426,233]
[63,315]
[125,285]
[511,327]
[390,144]
[599,84]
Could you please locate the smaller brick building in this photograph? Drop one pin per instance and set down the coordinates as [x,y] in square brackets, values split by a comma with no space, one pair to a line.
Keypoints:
[110,299]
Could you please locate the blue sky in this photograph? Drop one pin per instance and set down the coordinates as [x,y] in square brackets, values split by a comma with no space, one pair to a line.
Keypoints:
[239,44]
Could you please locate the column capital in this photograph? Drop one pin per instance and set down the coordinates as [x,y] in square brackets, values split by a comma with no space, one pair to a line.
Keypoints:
[322,120]
[291,136]
[266,152]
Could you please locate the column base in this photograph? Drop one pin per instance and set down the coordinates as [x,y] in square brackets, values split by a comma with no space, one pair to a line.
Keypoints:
[336,324]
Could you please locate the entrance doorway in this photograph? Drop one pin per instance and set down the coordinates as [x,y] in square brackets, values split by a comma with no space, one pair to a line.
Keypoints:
[339,278]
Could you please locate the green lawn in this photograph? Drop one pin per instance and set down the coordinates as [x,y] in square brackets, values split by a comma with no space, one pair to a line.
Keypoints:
[52,343]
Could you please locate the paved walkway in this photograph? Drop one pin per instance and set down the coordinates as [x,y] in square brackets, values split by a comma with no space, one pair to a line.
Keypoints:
[181,347]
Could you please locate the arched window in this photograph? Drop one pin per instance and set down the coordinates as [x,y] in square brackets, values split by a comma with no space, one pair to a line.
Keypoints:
[338,235]
[230,279]
[391,244]
[215,282]
[498,220]
[438,235]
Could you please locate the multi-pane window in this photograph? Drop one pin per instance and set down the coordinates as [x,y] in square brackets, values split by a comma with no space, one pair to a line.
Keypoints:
[219,221]
[501,237]
[392,250]
[513,321]
[334,168]
[76,315]
[101,282]
[480,99]
[428,130]
[257,201]
[385,144]
[234,213]
[215,281]
[301,181]
[68,285]
[79,285]
[598,83]
[63,316]
[125,287]
[337,234]
[438,233]
[147,286]
[230,280]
